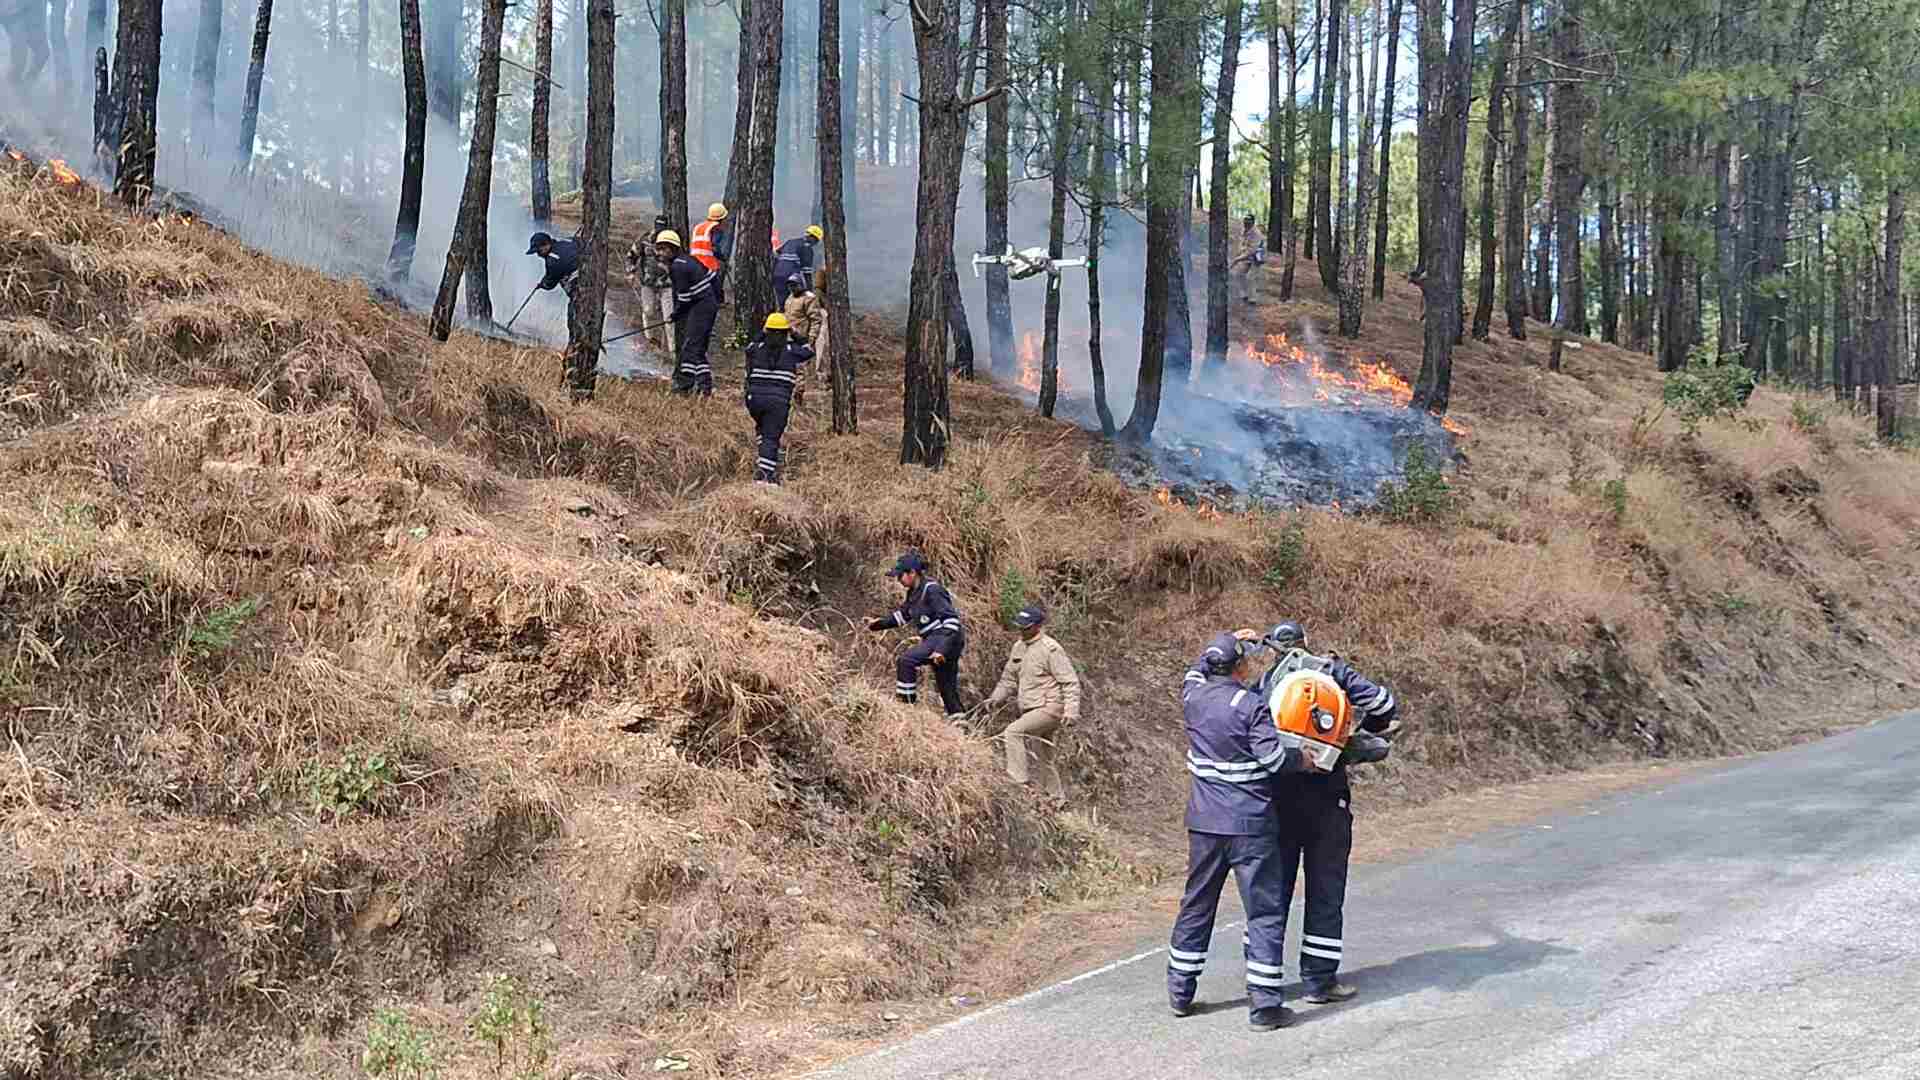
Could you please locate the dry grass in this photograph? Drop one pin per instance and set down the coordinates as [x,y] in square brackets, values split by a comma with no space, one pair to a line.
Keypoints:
[254,526]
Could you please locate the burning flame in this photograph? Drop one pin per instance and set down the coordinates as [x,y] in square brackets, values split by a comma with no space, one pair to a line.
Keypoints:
[1204,511]
[1455,426]
[1029,379]
[62,173]
[1364,380]
[15,155]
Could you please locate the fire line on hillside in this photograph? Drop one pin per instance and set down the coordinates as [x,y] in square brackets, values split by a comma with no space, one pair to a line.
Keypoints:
[1276,424]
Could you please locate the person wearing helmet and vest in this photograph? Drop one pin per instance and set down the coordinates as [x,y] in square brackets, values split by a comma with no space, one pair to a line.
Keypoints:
[696,302]
[808,320]
[1234,754]
[928,611]
[794,257]
[1041,680]
[712,245]
[775,363]
[652,279]
[1316,812]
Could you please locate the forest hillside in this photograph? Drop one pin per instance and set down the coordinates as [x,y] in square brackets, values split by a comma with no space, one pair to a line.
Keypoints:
[370,704]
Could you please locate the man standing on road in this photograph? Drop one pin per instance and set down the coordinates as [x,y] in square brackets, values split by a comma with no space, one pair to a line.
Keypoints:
[696,303]
[1316,812]
[929,611]
[1233,752]
[1041,679]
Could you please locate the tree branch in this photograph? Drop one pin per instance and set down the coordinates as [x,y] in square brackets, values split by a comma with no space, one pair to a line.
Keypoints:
[983,97]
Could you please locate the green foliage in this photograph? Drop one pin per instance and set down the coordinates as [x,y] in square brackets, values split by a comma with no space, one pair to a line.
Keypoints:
[1286,554]
[514,1024]
[398,1049]
[1731,604]
[1615,493]
[1013,593]
[1708,388]
[1807,417]
[216,630]
[356,782]
[1423,493]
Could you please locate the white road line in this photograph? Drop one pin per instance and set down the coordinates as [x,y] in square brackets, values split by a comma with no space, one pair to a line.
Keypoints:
[1012,1003]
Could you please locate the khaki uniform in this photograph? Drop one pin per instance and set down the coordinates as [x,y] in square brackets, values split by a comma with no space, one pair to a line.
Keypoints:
[1041,679]
[1253,250]
[655,290]
[807,323]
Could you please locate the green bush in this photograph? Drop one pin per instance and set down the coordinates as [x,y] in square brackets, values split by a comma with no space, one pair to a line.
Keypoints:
[1708,388]
[1013,594]
[1423,493]
[1615,493]
[398,1049]
[1808,418]
[1286,554]
[514,1024]
[215,631]
[357,782]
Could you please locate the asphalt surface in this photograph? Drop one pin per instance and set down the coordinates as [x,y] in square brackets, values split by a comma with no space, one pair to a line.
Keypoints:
[1760,919]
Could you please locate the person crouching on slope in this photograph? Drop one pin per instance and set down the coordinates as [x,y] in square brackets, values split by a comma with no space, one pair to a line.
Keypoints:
[928,610]
[774,367]
[1233,753]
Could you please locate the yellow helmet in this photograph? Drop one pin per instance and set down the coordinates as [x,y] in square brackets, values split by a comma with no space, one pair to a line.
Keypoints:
[815,232]
[717,212]
[667,236]
[777,321]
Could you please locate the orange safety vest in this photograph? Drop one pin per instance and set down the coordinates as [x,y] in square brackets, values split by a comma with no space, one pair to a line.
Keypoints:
[702,246]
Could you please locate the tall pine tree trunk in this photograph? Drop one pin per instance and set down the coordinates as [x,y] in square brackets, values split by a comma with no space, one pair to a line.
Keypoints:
[1279,138]
[588,306]
[1062,139]
[1353,289]
[96,38]
[1489,159]
[832,106]
[1543,213]
[468,249]
[753,242]
[256,71]
[1096,231]
[135,98]
[406,228]
[1219,210]
[673,114]
[206,68]
[1886,414]
[1000,348]
[1291,222]
[1329,262]
[957,324]
[743,87]
[1313,150]
[1173,125]
[1386,155]
[542,105]
[1609,260]
[1569,178]
[1441,285]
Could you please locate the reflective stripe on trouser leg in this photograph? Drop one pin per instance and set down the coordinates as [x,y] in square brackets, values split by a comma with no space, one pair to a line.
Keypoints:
[1207,863]
[1257,871]
[1327,844]
[770,421]
[693,372]
[946,674]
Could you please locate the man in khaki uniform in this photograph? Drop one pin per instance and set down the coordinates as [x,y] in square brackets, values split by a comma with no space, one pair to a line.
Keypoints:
[1047,690]
[808,318]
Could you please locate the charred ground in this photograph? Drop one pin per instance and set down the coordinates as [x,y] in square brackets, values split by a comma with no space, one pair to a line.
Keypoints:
[341,670]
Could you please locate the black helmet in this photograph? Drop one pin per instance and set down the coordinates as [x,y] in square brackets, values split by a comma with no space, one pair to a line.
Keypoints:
[1285,636]
[1249,219]
[534,242]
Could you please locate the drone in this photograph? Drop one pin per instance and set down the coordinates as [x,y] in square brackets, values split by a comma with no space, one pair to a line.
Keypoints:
[1027,262]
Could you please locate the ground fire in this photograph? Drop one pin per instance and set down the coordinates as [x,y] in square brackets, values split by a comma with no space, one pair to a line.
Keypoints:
[1277,423]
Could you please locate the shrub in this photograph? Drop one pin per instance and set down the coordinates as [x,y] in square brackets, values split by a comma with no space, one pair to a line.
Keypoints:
[1808,418]
[216,630]
[357,782]
[396,1048]
[1423,493]
[1286,554]
[1615,493]
[1013,593]
[1708,388]
[513,1023]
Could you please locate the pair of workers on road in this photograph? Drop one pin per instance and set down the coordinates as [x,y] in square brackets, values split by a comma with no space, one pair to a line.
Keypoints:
[1261,808]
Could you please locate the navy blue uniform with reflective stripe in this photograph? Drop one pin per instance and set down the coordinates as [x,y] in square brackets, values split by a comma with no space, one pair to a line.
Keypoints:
[771,376]
[561,263]
[1316,832]
[696,301]
[929,612]
[1233,754]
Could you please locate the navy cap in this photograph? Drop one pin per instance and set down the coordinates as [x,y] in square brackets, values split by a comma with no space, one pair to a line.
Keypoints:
[534,242]
[1223,652]
[1029,616]
[911,562]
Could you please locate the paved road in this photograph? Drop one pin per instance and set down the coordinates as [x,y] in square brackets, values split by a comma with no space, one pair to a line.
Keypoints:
[1761,920]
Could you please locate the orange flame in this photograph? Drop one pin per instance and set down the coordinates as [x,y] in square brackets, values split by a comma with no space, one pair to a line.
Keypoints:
[15,155]
[1363,380]
[62,173]
[1204,511]
[1455,426]
[1029,379]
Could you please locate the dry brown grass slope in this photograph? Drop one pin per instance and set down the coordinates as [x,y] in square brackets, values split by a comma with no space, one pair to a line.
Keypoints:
[255,532]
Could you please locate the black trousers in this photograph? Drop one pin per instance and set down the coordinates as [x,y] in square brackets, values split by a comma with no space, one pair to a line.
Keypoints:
[946,674]
[1255,862]
[691,371]
[770,422]
[1316,832]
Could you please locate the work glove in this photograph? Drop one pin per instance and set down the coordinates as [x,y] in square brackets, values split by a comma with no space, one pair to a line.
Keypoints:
[885,622]
[1365,748]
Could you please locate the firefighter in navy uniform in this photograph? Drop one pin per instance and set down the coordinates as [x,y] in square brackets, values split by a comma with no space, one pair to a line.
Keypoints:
[1234,753]
[929,612]
[696,303]
[794,257]
[1316,813]
[774,368]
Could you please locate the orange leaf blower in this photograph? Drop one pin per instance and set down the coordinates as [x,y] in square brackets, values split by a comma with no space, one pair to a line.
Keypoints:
[1313,716]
